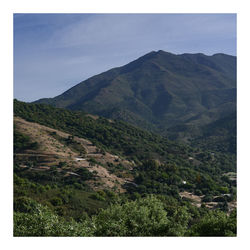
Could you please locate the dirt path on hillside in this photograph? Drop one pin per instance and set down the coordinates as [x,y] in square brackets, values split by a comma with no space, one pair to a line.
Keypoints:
[54,152]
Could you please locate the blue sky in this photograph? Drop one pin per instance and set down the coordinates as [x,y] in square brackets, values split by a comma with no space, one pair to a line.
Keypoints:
[53,52]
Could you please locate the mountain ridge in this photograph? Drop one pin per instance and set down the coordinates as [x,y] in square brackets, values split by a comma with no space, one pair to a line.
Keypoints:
[159,90]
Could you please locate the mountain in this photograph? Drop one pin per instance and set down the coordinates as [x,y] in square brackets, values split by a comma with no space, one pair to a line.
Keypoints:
[160,91]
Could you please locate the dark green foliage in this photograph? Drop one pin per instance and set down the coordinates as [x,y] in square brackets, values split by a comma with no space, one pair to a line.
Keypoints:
[215,224]
[219,136]
[65,198]
[207,198]
[143,217]
[148,216]
[57,201]
[43,222]
[71,143]
[25,205]
[62,164]
[220,199]
[23,142]
[167,179]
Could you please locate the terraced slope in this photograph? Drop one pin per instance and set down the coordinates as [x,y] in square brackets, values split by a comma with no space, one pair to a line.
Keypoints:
[68,155]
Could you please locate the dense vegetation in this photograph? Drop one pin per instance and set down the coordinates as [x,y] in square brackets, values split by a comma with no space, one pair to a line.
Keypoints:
[149,216]
[46,203]
[219,136]
[115,136]
[22,142]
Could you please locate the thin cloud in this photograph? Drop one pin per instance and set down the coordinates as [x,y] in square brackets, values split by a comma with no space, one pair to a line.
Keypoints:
[56,51]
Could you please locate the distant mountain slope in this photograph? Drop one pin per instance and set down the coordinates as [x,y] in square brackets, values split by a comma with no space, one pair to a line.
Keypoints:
[219,135]
[159,90]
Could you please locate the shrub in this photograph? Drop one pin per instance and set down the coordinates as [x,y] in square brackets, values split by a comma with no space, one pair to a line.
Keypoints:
[142,217]
[198,192]
[207,198]
[219,199]
[43,222]
[97,196]
[25,205]
[215,223]
[56,201]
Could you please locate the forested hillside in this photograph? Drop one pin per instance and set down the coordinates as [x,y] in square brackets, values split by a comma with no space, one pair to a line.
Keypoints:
[83,175]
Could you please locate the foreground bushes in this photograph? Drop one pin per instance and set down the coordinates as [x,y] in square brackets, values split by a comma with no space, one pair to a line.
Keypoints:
[143,217]
[215,223]
[42,222]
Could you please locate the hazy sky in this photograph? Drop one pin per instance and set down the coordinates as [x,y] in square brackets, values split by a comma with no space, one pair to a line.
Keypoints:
[53,52]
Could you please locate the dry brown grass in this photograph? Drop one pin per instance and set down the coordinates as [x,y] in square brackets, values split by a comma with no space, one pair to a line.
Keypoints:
[195,199]
[52,152]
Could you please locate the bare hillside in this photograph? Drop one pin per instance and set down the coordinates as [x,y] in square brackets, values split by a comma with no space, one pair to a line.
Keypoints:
[69,153]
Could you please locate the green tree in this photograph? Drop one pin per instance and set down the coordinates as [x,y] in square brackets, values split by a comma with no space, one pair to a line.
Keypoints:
[215,223]
[142,217]
[43,222]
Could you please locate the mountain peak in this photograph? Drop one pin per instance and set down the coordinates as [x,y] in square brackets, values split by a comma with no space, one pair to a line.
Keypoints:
[159,89]
[159,52]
